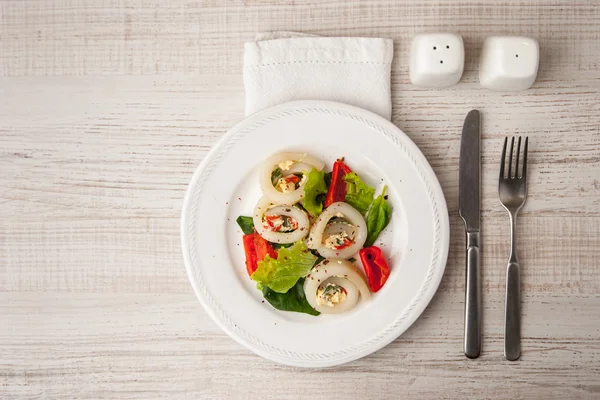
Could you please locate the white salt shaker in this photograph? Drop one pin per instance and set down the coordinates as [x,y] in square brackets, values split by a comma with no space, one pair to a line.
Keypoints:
[437,60]
[509,63]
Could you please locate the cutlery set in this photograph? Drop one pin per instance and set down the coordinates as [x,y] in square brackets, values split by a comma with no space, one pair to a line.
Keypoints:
[512,191]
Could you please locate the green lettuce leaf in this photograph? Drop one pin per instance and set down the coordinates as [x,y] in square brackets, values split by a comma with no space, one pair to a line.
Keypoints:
[246,224]
[358,194]
[315,191]
[378,218]
[293,300]
[281,274]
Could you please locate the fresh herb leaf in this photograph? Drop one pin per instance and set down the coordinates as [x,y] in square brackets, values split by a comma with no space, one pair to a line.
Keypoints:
[280,245]
[282,273]
[328,178]
[358,194]
[331,289]
[314,189]
[293,300]
[352,259]
[378,218]
[246,224]
[276,175]
[287,224]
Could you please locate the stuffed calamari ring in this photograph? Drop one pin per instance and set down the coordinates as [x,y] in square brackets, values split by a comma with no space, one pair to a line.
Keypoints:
[343,244]
[280,224]
[286,161]
[334,286]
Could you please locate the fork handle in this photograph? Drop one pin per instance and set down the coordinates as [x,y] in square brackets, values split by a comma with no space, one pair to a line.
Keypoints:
[512,327]
[473,298]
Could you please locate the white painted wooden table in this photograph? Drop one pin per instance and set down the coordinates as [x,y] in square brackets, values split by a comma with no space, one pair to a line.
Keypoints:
[106,108]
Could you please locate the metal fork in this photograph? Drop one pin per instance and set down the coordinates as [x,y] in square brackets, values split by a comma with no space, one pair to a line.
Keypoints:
[512,190]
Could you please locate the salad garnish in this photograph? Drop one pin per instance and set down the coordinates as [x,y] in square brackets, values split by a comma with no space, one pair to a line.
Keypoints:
[380,214]
[307,232]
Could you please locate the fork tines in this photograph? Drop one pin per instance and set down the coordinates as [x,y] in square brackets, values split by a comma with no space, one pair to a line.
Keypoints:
[513,171]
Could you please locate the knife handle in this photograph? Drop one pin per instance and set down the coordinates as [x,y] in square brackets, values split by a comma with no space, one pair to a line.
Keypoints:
[473,298]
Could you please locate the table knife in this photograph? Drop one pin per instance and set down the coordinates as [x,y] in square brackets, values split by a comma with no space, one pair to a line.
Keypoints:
[469,209]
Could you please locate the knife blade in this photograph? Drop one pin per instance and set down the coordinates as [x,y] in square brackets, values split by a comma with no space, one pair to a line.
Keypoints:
[469,201]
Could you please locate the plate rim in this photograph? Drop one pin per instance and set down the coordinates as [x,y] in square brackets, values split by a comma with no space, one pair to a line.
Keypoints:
[417,305]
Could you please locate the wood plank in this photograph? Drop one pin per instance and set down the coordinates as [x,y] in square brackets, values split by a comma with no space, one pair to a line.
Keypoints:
[191,37]
[132,346]
[143,255]
[96,136]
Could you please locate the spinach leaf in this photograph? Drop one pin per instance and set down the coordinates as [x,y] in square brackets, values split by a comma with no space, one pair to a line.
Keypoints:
[316,254]
[328,178]
[378,218]
[246,224]
[318,260]
[280,245]
[293,300]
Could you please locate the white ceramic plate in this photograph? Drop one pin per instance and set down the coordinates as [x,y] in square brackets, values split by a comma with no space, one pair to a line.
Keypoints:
[225,186]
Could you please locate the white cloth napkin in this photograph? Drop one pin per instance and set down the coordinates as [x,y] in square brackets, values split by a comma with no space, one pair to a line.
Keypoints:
[286,66]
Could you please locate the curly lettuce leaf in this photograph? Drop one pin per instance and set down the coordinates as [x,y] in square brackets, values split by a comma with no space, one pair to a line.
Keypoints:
[293,300]
[282,273]
[358,194]
[378,218]
[315,191]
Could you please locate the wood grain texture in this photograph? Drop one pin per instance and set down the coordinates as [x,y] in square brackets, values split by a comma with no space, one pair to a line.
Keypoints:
[106,109]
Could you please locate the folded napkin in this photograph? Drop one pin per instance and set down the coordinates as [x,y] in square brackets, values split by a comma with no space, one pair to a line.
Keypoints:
[286,66]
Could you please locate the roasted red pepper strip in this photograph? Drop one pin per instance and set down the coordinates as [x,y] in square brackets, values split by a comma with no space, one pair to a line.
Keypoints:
[250,250]
[292,179]
[337,188]
[256,249]
[263,248]
[376,267]
[347,243]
